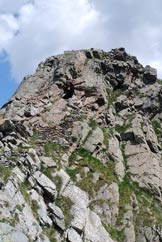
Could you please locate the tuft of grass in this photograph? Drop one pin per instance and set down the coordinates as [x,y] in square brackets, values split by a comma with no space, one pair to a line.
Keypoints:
[130,117]
[122,147]
[58,182]
[113,95]
[115,233]
[23,188]
[65,204]
[34,137]
[72,173]
[5,172]
[34,206]
[50,233]
[106,134]
[47,171]
[55,151]
[122,128]
[157,127]
[19,207]
[93,123]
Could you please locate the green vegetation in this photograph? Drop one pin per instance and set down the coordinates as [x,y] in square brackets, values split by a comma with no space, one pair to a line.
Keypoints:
[34,137]
[93,124]
[145,200]
[113,95]
[130,117]
[149,207]
[56,179]
[122,147]
[122,128]
[106,133]
[106,172]
[158,130]
[115,233]
[47,171]
[127,124]
[55,151]
[58,182]
[34,206]
[65,204]
[5,172]
[159,81]
[19,207]
[11,221]
[50,233]
[23,188]
[157,127]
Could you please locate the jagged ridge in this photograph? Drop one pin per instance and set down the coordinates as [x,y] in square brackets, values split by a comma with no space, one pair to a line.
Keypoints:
[81,151]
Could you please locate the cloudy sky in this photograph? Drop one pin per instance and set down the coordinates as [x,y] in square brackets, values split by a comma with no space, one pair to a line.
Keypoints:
[31,30]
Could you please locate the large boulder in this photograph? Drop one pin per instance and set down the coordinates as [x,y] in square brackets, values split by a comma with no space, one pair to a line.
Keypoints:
[47,186]
[150,75]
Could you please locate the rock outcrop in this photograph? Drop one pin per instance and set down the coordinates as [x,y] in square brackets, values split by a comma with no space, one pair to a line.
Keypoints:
[80,151]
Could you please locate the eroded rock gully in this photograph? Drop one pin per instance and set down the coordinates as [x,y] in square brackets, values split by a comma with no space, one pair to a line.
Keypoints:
[80,152]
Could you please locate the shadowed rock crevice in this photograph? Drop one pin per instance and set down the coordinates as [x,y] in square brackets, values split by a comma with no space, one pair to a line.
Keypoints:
[68,90]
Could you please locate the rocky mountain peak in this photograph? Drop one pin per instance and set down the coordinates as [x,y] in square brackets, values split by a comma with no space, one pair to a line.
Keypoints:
[80,144]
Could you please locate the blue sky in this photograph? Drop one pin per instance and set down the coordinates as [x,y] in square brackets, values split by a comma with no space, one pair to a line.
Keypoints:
[32,30]
[7,84]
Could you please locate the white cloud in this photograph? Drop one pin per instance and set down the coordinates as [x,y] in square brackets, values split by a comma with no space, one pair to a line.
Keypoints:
[34,29]
[11,6]
[8,27]
[49,27]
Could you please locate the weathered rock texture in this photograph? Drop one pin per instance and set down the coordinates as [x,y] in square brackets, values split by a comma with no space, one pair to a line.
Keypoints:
[80,152]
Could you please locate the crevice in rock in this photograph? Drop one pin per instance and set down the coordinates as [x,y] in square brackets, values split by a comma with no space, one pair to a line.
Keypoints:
[68,90]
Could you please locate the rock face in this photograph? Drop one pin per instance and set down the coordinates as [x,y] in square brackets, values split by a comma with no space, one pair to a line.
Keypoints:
[8,233]
[80,151]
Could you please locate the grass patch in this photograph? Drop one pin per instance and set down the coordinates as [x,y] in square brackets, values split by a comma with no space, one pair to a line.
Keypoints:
[47,171]
[149,207]
[122,147]
[34,137]
[34,206]
[115,233]
[93,124]
[23,188]
[113,95]
[11,221]
[55,151]
[65,204]
[72,173]
[50,233]
[19,207]
[157,127]
[159,81]
[57,180]
[122,128]
[106,134]
[130,117]
[106,172]
[5,172]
